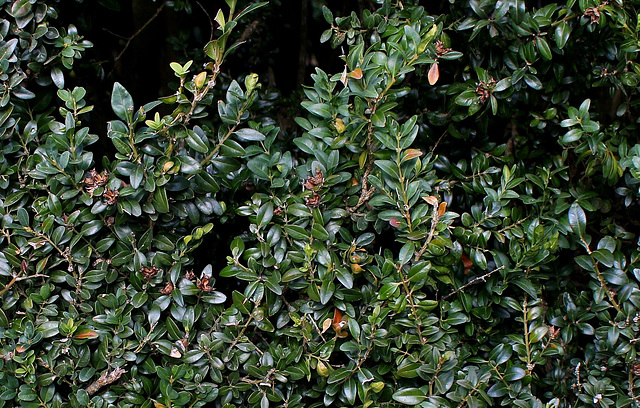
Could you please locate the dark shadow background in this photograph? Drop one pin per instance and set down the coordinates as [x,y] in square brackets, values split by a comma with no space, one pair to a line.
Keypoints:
[135,40]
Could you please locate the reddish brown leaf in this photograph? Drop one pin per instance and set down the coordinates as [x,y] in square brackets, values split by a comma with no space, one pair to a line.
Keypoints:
[467,262]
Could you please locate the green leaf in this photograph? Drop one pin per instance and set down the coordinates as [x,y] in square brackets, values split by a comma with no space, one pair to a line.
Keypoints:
[338,375]
[577,219]
[92,227]
[514,374]
[121,102]
[250,8]
[322,110]
[409,396]
[137,173]
[20,8]
[57,76]
[533,81]
[7,49]
[538,334]
[264,215]
[350,391]
[296,232]
[160,200]
[543,48]
[327,14]
[249,135]
[196,143]
[326,35]
[562,34]
[500,354]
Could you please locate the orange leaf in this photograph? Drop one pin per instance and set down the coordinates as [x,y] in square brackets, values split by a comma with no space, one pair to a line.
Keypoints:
[339,323]
[356,73]
[394,222]
[337,319]
[442,208]
[434,74]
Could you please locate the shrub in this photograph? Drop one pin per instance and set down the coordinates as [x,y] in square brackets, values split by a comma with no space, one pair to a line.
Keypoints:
[453,226]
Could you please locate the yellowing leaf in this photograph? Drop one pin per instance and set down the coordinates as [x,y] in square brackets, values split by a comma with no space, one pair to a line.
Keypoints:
[377,386]
[434,74]
[412,154]
[322,369]
[200,79]
[431,200]
[175,353]
[326,324]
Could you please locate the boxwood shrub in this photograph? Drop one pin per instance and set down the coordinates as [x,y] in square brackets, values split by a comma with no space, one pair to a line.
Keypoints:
[452,224]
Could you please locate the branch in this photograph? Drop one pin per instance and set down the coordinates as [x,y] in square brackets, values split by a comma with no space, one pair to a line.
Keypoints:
[17,279]
[105,379]
[434,223]
[137,33]
[473,281]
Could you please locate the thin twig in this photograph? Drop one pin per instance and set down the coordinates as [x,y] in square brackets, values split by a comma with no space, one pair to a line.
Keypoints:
[18,279]
[366,192]
[213,28]
[434,223]
[132,37]
[473,281]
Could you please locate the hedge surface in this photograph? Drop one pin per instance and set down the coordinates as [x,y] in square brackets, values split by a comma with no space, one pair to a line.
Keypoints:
[452,225]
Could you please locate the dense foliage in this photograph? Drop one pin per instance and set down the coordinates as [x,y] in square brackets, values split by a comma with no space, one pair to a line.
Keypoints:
[453,224]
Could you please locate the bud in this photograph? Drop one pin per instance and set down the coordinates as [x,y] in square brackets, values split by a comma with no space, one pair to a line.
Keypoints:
[377,386]
[251,82]
[258,314]
[200,79]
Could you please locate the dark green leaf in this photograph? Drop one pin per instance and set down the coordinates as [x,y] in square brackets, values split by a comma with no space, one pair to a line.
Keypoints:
[121,102]
[409,396]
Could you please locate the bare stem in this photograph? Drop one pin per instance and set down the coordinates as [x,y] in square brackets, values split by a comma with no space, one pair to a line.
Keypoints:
[137,33]
[18,279]
[105,379]
[432,231]
[482,278]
